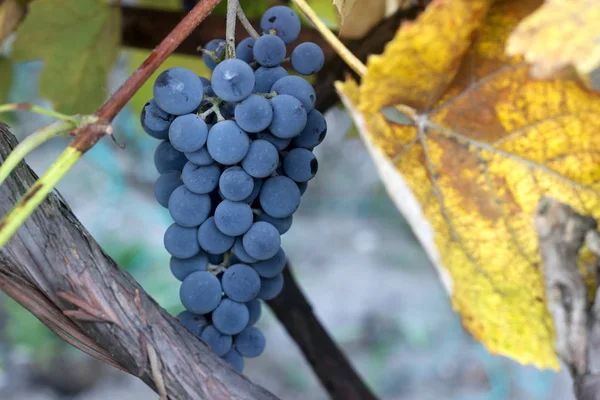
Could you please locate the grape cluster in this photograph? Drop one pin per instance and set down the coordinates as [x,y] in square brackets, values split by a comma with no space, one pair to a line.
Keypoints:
[235,158]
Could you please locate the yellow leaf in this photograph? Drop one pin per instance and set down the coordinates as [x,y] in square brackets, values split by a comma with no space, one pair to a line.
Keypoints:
[363,16]
[344,7]
[559,34]
[487,143]
[11,14]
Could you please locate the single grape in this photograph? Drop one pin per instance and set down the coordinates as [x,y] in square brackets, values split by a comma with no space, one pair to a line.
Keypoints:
[155,121]
[181,242]
[167,158]
[230,317]
[289,116]
[240,252]
[188,133]
[270,287]
[218,342]
[232,80]
[201,179]
[235,184]
[269,50]
[200,157]
[254,310]
[195,323]
[244,50]
[254,113]
[227,143]
[262,159]
[233,218]
[235,359]
[182,267]
[279,197]
[279,143]
[255,191]
[297,87]
[282,224]
[281,21]
[178,91]
[272,267]
[300,165]
[212,240]
[265,77]
[262,241]
[307,58]
[250,342]
[165,184]
[241,283]
[200,292]
[216,45]
[302,186]
[189,209]
[314,132]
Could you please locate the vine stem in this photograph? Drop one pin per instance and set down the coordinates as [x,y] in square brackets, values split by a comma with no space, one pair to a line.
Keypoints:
[232,7]
[37,110]
[246,23]
[339,47]
[89,133]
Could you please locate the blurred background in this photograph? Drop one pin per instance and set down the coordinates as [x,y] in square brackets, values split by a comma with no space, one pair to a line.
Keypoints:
[368,280]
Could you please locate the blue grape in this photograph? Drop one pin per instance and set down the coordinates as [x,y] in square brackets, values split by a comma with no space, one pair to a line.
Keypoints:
[300,165]
[167,158]
[218,342]
[262,159]
[281,21]
[279,143]
[272,267]
[270,287]
[216,259]
[232,80]
[254,113]
[182,267]
[216,45]
[207,88]
[200,292]
[189,209]
[244,50]
[265,77]
[188,133]
[230,317]
[201,179]
[254,311]
[307,58]
[233,218]
[255,191]
[195,323]
[302,186]
[269,50]
[241,283]
[297,87]
[165,184]
[227,110]
[240,252]
[212,240]
[181,242]
[289,116]
[279,197]
[262,241]
[250,342]
[178,91]
[235,359]
[200,157]
[235,184]
[155,121]
[282,224]
[314,132]
[227,143]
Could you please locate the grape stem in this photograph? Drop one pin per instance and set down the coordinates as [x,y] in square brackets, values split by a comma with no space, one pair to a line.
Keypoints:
[345,54]
[232,7]
[39,110]
[246,23]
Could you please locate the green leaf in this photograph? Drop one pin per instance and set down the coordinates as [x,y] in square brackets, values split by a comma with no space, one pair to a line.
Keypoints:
[78,40]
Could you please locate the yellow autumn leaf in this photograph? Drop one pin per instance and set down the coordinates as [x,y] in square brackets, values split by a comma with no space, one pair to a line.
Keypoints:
[11,14]
[344,7]
[363,16]
[560,33]
[487,143]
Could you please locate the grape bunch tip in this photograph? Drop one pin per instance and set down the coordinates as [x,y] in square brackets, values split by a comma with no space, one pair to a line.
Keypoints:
[234,160]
